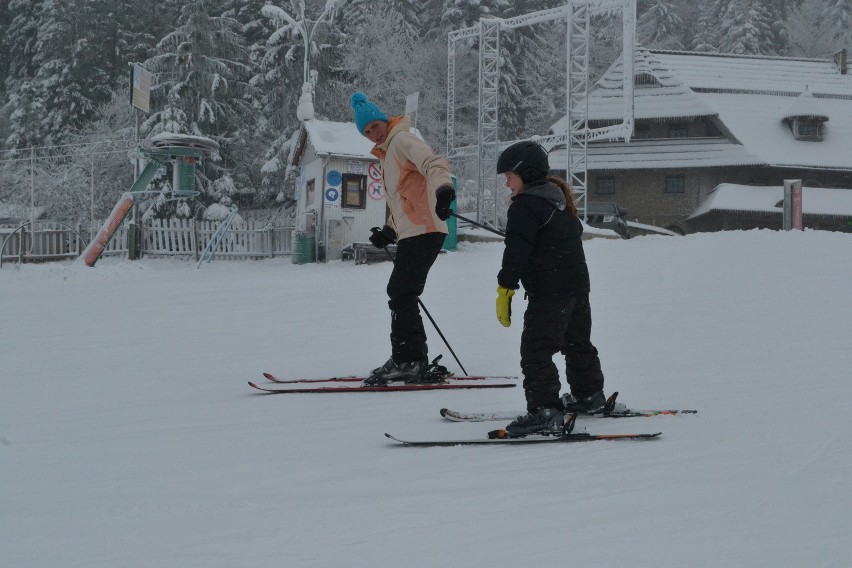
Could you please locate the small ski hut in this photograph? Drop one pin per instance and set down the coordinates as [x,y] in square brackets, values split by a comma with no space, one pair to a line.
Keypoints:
[339,192]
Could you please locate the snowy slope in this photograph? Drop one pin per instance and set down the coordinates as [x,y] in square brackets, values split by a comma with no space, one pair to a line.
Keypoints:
[128,437]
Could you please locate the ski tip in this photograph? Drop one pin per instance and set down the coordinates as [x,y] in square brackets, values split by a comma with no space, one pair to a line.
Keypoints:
[444,412]
[269,376]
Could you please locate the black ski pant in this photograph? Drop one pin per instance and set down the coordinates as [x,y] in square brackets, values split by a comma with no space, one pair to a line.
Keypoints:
[414,257]
[552,325]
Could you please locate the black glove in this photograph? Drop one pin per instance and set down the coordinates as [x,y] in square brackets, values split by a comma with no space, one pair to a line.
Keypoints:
[444,196]
[382,237]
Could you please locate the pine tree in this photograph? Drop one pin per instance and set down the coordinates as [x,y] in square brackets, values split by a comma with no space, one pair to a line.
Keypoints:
[459,14]
[839,14]
[285,68]
[5,20]
[747,28]
[23,105]
[809,32]
[659,26]
[263,125]
[705,38]
[200,75]
[73,76]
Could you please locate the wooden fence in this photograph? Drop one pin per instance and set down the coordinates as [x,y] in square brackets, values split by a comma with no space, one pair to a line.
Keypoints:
[181,238]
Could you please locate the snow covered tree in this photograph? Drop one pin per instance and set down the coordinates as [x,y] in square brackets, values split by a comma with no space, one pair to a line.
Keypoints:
[746,28]
[5,20]
[810,34]
[293,58]
[23,105]
[838,14]
[388,64]
[704,37]
[200,74]
[465,13]
[659,26]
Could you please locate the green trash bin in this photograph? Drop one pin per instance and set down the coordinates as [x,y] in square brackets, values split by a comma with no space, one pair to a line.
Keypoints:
[304,247]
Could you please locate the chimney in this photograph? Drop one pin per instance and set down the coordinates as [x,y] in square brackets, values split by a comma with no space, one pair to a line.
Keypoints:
[840,61]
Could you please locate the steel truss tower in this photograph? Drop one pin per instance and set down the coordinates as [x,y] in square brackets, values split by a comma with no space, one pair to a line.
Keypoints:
[577,14]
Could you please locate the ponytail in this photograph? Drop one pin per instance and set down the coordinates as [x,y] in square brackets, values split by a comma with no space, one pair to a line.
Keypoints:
[570,205]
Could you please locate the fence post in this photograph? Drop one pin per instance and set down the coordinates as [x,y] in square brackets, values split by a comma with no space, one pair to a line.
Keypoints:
[194,238]
[270,240]
[21,245]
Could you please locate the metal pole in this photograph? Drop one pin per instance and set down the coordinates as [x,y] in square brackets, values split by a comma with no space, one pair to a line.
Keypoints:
[480,225]
[92,194]
[32,185]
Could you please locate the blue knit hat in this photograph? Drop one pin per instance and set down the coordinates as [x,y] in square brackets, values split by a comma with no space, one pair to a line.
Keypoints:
[366,111]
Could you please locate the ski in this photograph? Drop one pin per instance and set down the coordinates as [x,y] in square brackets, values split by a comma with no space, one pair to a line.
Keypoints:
[501,436]
[456,416]
[272,378]
[388,388]
[538,439]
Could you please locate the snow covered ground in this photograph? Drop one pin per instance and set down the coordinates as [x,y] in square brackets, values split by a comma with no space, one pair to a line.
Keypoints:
[129,438]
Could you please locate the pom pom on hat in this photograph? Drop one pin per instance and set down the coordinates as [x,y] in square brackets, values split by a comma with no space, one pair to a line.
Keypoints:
[365,111]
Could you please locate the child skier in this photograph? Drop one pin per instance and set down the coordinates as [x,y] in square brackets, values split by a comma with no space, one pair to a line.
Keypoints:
[544,252]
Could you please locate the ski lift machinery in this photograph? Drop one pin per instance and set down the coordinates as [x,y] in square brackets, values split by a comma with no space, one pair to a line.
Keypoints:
[577,16]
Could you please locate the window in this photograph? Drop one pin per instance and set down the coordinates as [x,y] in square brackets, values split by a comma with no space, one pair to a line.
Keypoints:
[310,194]
[354,191]
[808,130]
[605,185]
[679,130]
[676,184]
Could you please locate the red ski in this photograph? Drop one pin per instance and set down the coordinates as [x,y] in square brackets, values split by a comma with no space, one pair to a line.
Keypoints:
[388,388]
[276,380]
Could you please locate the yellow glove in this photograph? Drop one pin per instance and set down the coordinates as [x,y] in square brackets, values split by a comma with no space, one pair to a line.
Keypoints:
[504,305]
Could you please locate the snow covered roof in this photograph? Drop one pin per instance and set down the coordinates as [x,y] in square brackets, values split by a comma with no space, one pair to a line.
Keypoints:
[750,95]
[815,200]
[661,154]
[338,139]
[757,121]
[658,94]
[729,72]
[806,106]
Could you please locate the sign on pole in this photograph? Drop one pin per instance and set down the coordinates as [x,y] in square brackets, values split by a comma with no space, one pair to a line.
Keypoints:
[793,204]
[140,88]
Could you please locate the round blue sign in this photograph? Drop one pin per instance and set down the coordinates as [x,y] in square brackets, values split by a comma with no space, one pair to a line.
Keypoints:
[331,194]
[334,178]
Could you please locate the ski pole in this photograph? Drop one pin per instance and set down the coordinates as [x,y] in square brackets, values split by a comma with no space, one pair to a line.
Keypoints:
[480,225]
[428,315]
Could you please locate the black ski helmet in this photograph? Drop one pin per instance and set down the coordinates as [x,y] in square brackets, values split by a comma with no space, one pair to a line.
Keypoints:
[527,159]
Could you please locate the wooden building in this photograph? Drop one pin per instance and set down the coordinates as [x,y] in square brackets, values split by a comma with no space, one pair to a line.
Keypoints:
[702,120]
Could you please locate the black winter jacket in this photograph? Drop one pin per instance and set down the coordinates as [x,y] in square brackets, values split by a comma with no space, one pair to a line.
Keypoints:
[544,250]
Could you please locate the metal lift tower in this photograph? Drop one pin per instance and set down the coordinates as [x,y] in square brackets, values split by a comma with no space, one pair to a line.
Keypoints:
[577,15]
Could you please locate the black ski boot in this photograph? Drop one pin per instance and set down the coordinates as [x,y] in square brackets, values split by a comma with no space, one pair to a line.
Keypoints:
[549,421]
[391,371]
[595,403]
